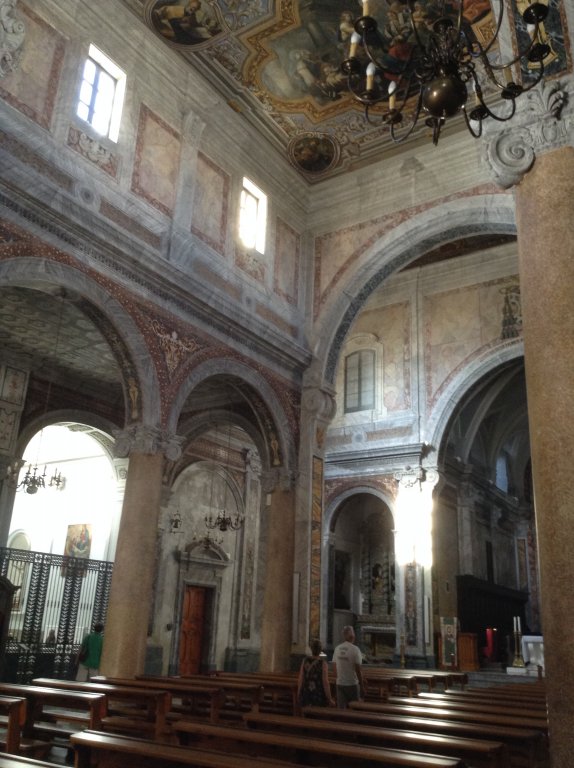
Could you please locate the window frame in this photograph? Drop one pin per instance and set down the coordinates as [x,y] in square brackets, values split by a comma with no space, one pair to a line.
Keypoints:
[252,227]
[103,65]
[361,390]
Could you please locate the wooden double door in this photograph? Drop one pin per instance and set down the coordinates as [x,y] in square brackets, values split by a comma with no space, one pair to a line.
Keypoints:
[195,629]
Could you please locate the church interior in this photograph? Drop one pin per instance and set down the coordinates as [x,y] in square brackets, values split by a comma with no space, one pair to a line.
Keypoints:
[275,361]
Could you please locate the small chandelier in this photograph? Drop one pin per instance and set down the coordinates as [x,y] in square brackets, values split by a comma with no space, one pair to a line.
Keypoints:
[436,62]
[224,522]
[32,480]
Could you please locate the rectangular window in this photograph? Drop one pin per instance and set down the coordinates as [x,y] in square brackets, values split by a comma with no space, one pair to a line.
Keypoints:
[102,94]
[252,216]
[360,381]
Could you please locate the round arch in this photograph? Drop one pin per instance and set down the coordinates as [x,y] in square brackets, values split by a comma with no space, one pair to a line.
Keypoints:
[48,276]
[450,221]
[451,396]
[232,369]
[333,508]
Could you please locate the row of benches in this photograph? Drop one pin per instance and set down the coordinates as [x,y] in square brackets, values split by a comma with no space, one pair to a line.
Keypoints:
[461,731]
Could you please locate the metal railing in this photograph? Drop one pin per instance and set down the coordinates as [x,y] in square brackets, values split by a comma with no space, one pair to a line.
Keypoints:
[57,600]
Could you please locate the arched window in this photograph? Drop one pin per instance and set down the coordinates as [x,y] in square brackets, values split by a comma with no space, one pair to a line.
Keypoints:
[360,381]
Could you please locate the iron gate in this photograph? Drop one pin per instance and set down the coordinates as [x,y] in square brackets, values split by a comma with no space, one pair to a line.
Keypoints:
[57,600]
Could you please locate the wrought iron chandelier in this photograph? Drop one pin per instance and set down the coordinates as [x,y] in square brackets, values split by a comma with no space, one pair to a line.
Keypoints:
[436,61]
[223,521]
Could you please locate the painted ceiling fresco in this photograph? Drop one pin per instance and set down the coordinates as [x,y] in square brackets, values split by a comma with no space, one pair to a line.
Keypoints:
[280,64]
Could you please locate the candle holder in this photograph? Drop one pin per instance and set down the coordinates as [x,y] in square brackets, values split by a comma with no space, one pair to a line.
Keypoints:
[518,660]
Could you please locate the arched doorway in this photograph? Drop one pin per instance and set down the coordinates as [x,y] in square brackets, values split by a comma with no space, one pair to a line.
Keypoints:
[484,514]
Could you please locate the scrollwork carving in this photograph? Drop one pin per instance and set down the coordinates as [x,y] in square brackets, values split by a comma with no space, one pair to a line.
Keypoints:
[140,438]
[12,33]
[539,127]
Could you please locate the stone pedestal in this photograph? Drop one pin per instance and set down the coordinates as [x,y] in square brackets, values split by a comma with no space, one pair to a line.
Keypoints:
[545,221]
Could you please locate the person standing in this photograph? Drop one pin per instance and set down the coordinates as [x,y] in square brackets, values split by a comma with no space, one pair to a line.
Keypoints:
[313,685]
[347,659]
[90,654]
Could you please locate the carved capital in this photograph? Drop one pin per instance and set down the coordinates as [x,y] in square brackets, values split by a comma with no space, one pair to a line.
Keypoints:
[12,33]
[539,127]
[318,403]
[277,480]
[140,438]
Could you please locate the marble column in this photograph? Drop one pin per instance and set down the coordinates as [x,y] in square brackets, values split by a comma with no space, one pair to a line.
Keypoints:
[277,617]
[125,634]
[545,222]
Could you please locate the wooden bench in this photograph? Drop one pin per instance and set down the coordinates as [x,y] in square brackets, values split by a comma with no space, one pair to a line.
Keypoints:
[133,710]
[439,700]
[13,718]
[427,678]
[108,750]
[446,713]
[527,747]
[279,690]
[52,715]
[304,749]
[480,753]
[19,761]
[464,697]
[195,699]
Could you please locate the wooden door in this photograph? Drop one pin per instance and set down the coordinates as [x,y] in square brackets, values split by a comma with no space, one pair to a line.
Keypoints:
[191,635]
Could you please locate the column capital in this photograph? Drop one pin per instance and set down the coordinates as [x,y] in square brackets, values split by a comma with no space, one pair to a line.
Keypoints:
[12,34]
[411,476]
[538,126]
[278,479]
[142,438]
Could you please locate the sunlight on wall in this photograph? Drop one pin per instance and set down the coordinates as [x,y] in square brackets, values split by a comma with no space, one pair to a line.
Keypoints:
[88,496]
[413,537]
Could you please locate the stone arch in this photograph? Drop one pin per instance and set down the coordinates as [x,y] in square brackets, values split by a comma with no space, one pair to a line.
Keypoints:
[447,222]
[459,385]
[67,415]
[116,325]
[331,515]
[334,506]
[272,411]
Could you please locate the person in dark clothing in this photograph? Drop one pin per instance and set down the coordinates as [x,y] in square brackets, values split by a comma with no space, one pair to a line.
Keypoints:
[313,688]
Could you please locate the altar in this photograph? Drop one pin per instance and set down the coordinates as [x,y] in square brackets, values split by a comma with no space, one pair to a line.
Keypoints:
[378,641]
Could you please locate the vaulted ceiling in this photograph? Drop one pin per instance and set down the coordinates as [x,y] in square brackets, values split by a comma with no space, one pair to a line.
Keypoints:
[278,62]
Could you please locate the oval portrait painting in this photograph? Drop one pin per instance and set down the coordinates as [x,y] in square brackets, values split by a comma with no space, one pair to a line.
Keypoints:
[314,152]
[185,23]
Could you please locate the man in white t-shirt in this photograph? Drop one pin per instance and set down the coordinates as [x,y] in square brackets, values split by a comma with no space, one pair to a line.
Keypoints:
[347,659]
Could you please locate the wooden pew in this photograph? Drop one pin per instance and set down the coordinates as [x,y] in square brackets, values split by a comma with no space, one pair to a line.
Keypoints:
[19,761]
[279,690]
[13,718]
[108,750]
[297,748]
[141,710]
[480,753]
[444,713]
[527,747]
[53,714]
[197,699]
[425,678]
[464,697]
[438,700]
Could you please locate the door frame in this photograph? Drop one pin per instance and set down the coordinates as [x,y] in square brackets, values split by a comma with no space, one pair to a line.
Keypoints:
[204,571]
